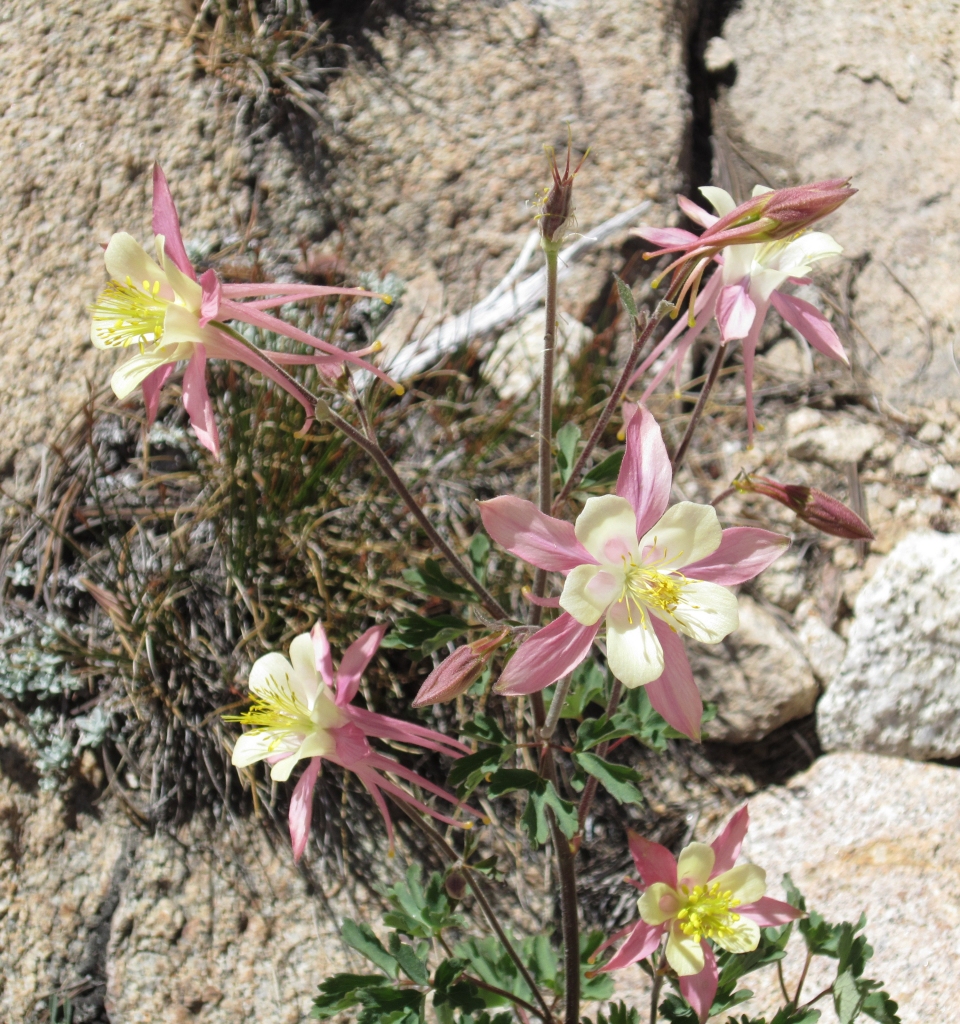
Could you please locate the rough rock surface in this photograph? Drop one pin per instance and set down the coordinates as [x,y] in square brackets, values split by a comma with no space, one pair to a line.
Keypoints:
[758,677]
[862,833]
[868,89]
[898,689]
[165,929]
[440,155]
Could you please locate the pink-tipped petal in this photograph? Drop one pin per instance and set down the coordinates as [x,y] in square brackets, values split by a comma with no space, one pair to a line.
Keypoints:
[666,236]
[541,602]
[293,292]
[196,400]
[548,655]
[211,297]
[167,223]
[726,847]
[355,660]
[655,863]
[301,808]
[696,213]
[645,476]
[700,990]
[770,913]
[323,656]
[643,940]
[371,783]
[735,311]
[152,386]
[675,695]
[387,728]
[744,552]
[525,531]
[811,323]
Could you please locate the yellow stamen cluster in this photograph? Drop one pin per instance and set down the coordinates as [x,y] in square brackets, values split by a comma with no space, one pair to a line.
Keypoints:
[126,315]
[276,709]
[645,585]
[708,912]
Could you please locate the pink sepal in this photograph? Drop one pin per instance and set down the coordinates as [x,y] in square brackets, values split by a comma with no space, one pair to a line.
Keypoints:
[541,602]
[735,311]
[675,695]
[151,387]
[550,653]
[196,400]
[655,863]
[643,940]
[167,223]
[696,213]
[770,913]
[744,552]
[301,808]
[525,531]
[355,659]
[645,477]
[666,236]
[323,656]
[210,300]
[700,990]
[811,323]
[726,847]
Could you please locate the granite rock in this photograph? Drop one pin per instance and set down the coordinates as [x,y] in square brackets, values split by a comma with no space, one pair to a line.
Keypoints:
[898,689]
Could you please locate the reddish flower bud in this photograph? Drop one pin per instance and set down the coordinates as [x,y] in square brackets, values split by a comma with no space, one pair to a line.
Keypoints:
[556,205]
[811,505]
[459,672]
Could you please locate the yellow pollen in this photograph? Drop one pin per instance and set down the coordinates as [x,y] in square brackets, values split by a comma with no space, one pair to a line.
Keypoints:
[125,315]
[276,710]
[708,913]
[644,585]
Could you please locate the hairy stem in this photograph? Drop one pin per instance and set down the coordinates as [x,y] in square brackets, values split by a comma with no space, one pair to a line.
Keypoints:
[803,977]
[678,456]
[545,476]
[642,333]
[655,995]
[450,854]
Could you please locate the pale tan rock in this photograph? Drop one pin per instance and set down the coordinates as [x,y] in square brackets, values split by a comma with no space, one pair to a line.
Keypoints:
[836,444]
[758,677]
[824,649]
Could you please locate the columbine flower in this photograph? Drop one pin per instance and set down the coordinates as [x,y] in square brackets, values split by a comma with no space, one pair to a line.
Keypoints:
[766,217]
[302,711]
[694,900]
[161,308]
[648,572]
[748,283]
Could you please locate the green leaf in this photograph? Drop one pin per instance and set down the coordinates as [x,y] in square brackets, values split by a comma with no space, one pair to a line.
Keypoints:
[411,965]
[880,1006]
[479,551]
[341,992]
[605,472]
[509,780]
[413,631]
[468,772]
[541,795]
[617,779]
[390,1006]
[363,940]
[626,297]
[432,580]
[586,687]
[846,997]
[485,728]
[568,436]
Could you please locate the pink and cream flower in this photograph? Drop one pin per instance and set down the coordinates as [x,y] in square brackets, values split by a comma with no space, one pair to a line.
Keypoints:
[698,900]
[645,572]
[302,710]
[160,309]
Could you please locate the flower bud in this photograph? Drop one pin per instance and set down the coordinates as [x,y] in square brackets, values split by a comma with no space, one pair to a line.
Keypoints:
[456,885]
[821,511]
[459,672]
[556,206]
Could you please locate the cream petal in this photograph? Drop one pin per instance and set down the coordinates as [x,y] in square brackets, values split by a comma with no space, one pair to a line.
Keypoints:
[250,747]
[809,247]
[634,654]
[719,198]
[684,953]
[760,190]
[747,882]
[706,612]
[695,864]
[764,282]
[304,680]
[587,592]
[282,770]
[181,327]
[607,528]
[739,262]
[326,713]
[186,289]
[658,903]
[318,744]
[125,258]
[685,533]
[128,376]
[272,670]
[745,937]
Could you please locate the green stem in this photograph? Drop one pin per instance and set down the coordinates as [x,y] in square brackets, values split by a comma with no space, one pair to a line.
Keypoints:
[590,789]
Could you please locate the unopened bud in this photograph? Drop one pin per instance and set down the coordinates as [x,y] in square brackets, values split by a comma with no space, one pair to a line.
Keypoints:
[459,672]
[456,885]
[820,510]
[556,206]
